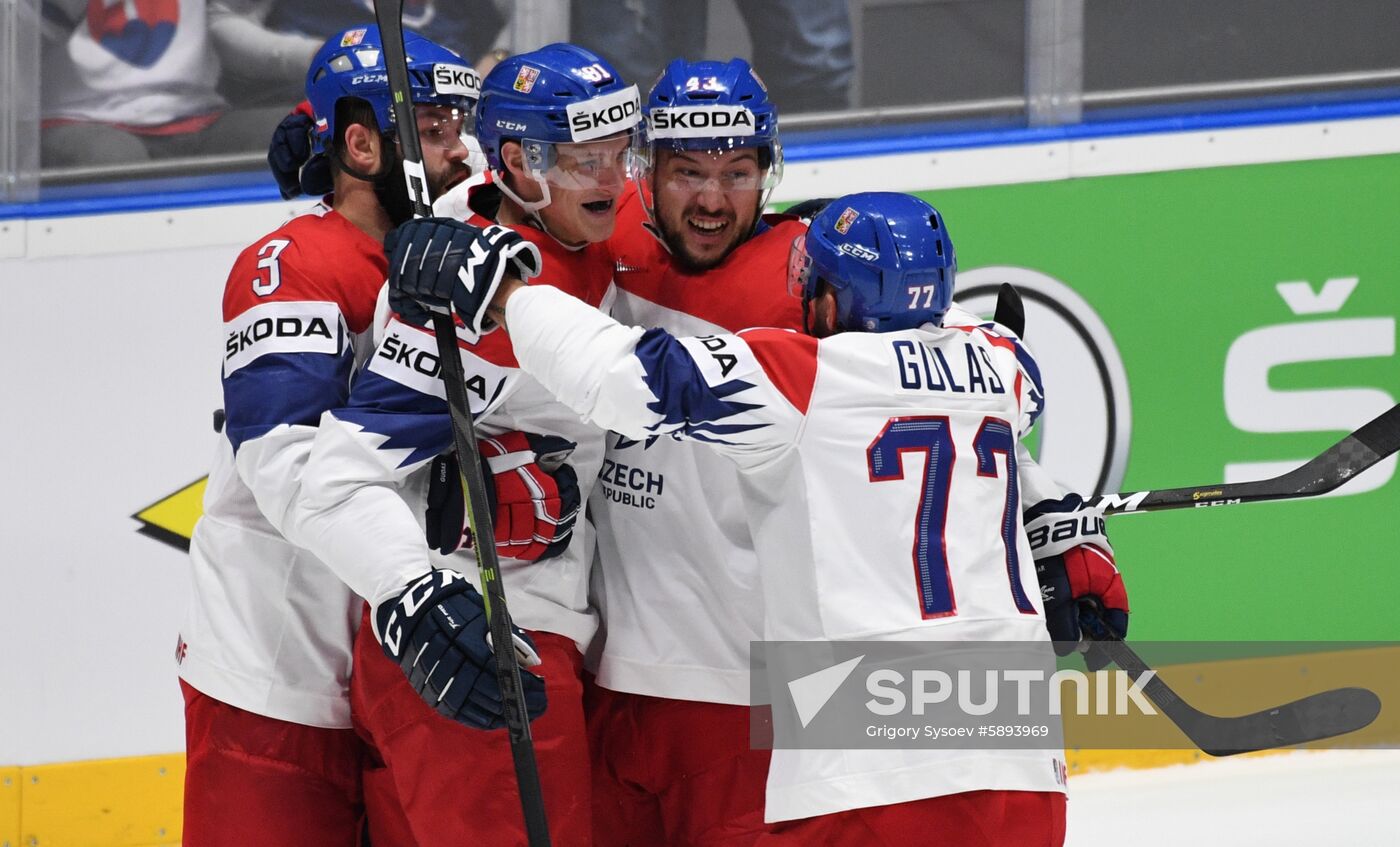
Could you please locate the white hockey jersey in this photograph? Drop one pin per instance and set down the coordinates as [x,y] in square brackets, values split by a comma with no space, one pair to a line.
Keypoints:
[881,489]
[677,576]
[363,492]
[269,628]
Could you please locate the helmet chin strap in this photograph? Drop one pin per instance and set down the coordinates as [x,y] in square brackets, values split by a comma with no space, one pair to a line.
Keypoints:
[532,208]
[387,181]
[529,207]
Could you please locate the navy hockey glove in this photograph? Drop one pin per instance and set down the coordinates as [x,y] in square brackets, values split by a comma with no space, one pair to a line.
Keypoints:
[437,261]
[534,496]
[289,156]
[1079,582]
[437,632]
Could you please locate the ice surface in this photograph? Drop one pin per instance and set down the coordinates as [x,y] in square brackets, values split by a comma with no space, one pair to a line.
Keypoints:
[1334,797]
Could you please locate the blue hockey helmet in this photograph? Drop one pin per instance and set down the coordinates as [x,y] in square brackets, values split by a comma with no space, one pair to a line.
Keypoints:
[558,94]
[888,257]
[351,64]
[716,107]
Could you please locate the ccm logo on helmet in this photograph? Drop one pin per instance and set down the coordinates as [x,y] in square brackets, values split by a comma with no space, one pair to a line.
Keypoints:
[456,80]
[700,121]
[592,119]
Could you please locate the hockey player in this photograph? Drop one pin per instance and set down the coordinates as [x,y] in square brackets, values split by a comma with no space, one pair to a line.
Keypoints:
[668,715]
[265,651]
[821,429]
[557,127]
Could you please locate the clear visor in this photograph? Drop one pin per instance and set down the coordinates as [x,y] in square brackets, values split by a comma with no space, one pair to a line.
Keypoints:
[442,127]
[799,267]
[692,171]
[582,165]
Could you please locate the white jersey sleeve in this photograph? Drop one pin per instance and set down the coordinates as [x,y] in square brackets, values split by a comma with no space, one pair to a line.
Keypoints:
[364,488]
[643,383]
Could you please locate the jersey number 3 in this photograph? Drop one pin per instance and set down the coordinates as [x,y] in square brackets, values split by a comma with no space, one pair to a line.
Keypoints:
[932,437]
[269,271]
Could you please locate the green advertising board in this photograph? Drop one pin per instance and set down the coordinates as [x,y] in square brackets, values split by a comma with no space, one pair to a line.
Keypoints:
[1253,310]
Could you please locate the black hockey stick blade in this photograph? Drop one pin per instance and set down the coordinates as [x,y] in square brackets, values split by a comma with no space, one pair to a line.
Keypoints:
[1333,468]
[1011,312]
[389,15]
[1313,718]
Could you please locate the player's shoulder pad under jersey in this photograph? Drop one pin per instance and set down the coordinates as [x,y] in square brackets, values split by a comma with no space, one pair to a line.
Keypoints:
[585,272]
[319,257]
[999,336]
[789,361]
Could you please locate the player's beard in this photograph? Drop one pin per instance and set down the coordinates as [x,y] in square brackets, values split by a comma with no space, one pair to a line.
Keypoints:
[693,264]
[391,188]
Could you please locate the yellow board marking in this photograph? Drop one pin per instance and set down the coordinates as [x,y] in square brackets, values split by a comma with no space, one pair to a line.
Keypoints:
[9,805]
[135,802]
[172,518]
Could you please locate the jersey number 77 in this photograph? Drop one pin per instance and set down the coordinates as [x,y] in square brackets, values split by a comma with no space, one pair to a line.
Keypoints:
[933,437]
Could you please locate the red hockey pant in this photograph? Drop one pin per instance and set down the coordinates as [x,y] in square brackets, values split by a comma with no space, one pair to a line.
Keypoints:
[251,779]
[435,781]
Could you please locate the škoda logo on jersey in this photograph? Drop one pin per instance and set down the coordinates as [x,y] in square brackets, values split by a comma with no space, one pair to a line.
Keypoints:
[279,327]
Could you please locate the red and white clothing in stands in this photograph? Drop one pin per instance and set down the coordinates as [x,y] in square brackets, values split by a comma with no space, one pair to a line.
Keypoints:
[364,493]
[823,431]
[137,65]
[265,650]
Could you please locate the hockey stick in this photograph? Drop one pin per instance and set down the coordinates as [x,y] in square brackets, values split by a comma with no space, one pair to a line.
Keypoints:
[1011,312]
[389,14]
[1312,718]
[1338,464]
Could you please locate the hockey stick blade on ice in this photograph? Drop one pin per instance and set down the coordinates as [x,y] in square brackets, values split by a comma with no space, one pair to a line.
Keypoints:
[389,14]
[1313,718]
[1338,464]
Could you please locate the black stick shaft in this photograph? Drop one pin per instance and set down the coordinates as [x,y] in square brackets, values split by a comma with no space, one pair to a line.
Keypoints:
[389,14]
[1330,470]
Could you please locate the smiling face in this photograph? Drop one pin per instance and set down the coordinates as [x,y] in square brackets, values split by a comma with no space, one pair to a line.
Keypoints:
[585,183]
[706,202]
[444,154]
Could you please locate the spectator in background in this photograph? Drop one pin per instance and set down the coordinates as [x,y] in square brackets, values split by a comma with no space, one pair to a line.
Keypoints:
[803,46]
[126,81]
[266,45]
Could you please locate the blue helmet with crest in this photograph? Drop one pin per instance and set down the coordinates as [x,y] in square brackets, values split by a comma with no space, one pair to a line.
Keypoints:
[712,105]
[715,107]
[351,64]
[888,257]
[558,94]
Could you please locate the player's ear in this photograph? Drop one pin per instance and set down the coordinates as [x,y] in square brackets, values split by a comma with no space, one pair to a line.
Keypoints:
[513,158]
[362,148]
[824,312]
